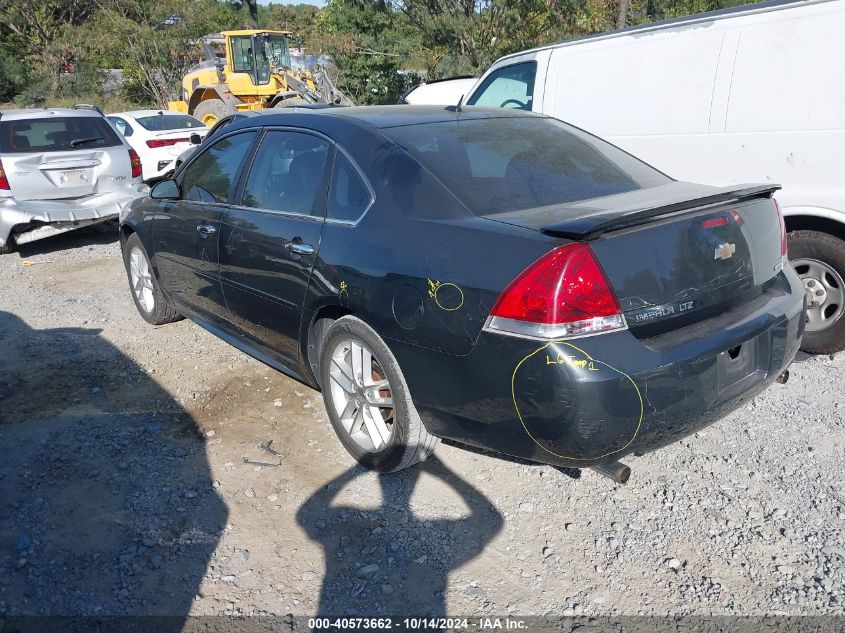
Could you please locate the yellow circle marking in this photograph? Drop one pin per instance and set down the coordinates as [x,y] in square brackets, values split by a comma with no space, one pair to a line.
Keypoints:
[440,305]
[578,349]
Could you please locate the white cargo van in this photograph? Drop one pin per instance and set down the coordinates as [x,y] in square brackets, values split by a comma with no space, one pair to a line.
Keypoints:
[752,94]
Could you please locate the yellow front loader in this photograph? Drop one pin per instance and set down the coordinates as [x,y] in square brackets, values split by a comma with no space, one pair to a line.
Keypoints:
[254,72]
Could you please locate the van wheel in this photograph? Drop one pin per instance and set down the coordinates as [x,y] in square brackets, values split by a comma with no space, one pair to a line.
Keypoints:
[152,304]
[819,260]
[368,401]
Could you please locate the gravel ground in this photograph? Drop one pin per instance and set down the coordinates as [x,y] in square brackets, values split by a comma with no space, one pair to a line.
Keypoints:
[158,471]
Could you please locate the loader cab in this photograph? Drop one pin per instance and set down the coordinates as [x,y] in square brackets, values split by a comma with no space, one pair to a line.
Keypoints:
[258,53]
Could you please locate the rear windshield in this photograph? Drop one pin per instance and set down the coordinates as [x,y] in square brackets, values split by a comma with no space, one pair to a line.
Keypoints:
[162,122]
[514,163]
[56,134]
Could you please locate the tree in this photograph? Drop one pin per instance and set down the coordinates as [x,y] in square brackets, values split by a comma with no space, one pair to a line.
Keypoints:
[622,17]
[363,37]
[151,39]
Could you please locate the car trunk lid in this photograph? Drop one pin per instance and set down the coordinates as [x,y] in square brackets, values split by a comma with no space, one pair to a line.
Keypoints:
[56,175]
[676,253]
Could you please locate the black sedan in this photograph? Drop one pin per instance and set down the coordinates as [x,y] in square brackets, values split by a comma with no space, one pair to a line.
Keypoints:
[493,277]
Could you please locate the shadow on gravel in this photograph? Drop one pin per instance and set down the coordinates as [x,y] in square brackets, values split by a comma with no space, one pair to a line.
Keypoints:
[105,233]
[104,511]
[413,572]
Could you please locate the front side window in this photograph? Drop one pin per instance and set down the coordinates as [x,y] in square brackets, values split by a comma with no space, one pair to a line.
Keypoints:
[271,54]
[242,61]
[56,134]
[349,197]
[508,87]
[286,174]
[510,163]
[211,177]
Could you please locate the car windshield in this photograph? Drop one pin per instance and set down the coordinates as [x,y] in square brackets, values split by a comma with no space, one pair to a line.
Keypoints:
[495,165]
[56,134]
[164,122]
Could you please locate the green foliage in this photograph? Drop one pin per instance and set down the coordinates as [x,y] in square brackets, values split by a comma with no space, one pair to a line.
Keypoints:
[363,37]
[14,75]
[379,46]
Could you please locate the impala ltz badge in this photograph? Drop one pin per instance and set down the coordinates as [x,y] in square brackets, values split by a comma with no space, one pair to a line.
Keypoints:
[725,251]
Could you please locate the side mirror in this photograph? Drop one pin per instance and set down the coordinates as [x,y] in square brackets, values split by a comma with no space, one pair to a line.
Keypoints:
[195,139]
[165,190]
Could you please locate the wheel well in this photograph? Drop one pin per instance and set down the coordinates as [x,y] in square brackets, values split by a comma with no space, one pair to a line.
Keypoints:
[813,223]
[323,318]
[125,232]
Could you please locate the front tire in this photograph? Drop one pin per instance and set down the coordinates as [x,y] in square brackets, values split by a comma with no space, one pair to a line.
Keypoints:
[368,401]
[211,111]
[290,103]
[152,304]
[819,260]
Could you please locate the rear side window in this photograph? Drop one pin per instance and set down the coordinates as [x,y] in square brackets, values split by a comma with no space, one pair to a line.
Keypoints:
[286,174]
[122,126]
[507,164]
[56,134]
[508,87]
[211,177]
[349,197]
[164,122]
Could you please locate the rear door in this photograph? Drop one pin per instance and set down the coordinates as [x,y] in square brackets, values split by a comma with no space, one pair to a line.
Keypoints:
[269,241]
[58,157]
[186,231]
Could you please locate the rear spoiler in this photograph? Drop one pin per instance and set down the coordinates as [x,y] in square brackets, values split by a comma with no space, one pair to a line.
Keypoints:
[591,227]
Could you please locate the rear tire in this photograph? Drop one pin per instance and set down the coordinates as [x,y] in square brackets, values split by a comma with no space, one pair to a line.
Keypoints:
[819,259]
[353,396]
[9,246]
[211,111]
[152,304]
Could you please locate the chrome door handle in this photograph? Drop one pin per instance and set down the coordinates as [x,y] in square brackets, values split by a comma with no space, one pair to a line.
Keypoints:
[299,248]
[206,229]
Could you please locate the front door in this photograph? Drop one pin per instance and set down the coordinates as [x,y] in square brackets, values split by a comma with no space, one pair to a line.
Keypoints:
[186,231]
[269,241]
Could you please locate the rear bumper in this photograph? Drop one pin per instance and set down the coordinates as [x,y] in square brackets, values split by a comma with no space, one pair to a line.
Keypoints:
[594,400]
[23,215]
[157,162]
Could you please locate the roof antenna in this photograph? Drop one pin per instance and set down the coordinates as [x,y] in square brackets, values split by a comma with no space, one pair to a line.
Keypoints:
[456,108]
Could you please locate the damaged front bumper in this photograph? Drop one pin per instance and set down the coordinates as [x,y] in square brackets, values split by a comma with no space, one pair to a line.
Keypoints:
[30,220]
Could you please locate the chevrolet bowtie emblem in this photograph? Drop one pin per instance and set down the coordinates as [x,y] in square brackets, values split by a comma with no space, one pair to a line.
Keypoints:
[725,251]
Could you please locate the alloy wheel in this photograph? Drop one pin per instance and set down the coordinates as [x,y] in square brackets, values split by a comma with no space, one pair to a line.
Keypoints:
[825,292]
[142,279]
[361,395]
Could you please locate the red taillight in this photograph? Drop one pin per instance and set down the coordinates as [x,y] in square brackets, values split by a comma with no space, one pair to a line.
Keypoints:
[783,247]
[4,180]
[564,293]
[135,160]
[165,142]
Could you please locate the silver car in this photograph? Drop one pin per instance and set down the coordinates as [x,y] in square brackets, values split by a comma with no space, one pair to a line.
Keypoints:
[61,169]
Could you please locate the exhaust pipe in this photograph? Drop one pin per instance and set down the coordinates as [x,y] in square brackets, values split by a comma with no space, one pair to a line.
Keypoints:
[617,471]
[783,377]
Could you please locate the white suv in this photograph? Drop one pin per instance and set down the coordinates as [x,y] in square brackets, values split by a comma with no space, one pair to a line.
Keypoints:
[61,169]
